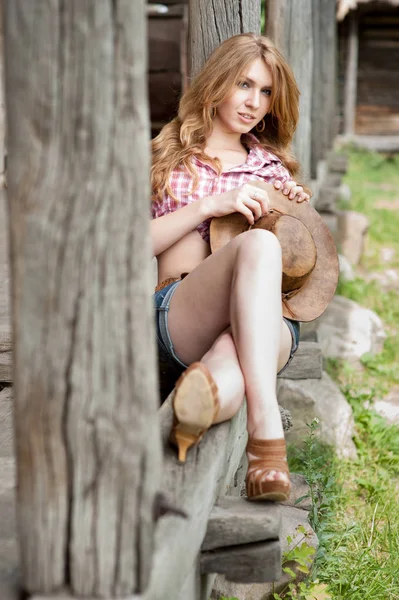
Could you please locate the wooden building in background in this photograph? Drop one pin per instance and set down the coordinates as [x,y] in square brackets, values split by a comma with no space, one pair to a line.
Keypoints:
[167,59]
[369,67]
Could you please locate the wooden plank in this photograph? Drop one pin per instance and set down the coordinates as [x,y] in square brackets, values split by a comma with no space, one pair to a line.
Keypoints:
[164,91]
[6,426]
[324,110]
[248,563]
[350,92]
[295,18]
[235,521]
[5,341]
[224,19]
[164,44]
[306,364]
[194,487]
[6,373]
[88,444]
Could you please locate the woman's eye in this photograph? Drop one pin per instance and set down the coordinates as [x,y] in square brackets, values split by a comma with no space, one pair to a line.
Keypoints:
[267,92]
[243,84]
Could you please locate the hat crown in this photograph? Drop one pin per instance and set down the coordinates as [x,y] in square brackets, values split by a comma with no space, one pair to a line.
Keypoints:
[299,252]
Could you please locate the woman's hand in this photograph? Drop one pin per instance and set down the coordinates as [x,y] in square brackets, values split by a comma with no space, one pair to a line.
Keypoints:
[292,190]
[250,201]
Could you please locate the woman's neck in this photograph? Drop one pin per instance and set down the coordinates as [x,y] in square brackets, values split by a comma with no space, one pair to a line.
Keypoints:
[218,140]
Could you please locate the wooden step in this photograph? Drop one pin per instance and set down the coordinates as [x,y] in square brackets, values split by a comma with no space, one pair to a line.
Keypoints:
[235,521]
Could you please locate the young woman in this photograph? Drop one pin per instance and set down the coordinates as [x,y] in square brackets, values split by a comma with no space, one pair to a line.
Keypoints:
[222,323]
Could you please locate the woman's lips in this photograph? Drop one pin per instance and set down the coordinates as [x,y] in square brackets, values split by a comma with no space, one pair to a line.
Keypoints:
[246,117]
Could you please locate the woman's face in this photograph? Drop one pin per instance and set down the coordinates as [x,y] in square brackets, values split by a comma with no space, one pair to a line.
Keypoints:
[249,102]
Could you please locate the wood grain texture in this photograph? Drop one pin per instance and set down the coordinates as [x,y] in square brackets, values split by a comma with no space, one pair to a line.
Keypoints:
[350,91]
[210,23]
[6,374]
[235,521]
[324,97]
[292,32]
[88,446]
[248,563]
[194,487]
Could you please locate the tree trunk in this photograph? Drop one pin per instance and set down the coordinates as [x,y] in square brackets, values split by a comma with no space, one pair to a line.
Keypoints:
[87,441]
[209,26]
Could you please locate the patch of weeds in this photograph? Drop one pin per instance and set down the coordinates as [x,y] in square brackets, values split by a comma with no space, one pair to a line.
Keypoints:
[317,462]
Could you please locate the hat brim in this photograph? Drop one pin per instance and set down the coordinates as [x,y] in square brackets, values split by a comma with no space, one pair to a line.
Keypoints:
[317,292]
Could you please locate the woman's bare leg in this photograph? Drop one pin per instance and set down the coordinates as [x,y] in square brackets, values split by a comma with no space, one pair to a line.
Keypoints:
[239,286]
[222,362]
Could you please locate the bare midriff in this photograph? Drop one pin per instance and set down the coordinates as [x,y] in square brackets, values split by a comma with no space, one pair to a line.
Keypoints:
[183,257]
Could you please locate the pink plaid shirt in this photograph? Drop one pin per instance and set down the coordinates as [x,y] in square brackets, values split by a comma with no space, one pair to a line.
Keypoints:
[260,164]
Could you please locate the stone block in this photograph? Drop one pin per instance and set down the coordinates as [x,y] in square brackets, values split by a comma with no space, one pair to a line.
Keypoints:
[321,399]
[346,271]
[352,230]
[348,330]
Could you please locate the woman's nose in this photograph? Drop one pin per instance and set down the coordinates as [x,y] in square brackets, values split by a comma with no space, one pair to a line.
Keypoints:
[254,99]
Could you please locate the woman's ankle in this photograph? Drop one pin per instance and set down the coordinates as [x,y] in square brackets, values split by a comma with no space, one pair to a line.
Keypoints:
[267,426]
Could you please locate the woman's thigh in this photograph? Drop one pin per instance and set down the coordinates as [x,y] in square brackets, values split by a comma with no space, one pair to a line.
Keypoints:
[200,307]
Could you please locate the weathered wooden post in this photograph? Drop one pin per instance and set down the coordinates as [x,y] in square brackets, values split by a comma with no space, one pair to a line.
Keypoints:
[324,93]
[289,25]
[209,26]
[351,75]
[87,441]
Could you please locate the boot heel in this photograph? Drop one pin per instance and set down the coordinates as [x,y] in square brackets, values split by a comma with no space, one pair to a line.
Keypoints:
[195,406]
[184,441]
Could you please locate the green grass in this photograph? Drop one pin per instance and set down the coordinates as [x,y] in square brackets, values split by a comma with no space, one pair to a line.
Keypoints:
[355,511]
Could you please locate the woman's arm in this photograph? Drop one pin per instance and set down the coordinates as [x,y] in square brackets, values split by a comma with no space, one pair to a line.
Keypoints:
[169,229]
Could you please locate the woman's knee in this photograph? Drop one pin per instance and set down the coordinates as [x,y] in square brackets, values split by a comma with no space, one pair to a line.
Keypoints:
[224,347]
[259,244]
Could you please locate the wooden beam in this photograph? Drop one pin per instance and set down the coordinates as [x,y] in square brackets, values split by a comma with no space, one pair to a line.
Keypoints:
[293,19]
[193,487]
[306,364]
[324,96]
[350,94]
[209,26]
[87,439]
[234,521]
[248,563]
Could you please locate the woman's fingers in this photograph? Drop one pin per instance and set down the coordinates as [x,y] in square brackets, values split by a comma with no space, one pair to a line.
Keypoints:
[259,196]
[292,190]
[247,212]
[255,207]
[303,197]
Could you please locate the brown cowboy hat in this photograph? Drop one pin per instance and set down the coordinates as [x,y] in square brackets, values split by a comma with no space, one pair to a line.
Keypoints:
[310,260]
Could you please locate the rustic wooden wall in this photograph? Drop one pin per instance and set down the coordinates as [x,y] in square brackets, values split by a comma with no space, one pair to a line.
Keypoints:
[167,61]
[377,110]
[289,24]
[324,95]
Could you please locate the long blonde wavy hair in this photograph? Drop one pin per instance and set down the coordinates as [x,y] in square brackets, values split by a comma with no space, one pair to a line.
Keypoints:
[185,136]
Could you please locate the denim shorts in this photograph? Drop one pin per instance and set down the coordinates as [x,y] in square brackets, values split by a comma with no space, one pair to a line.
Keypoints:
[166,352]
